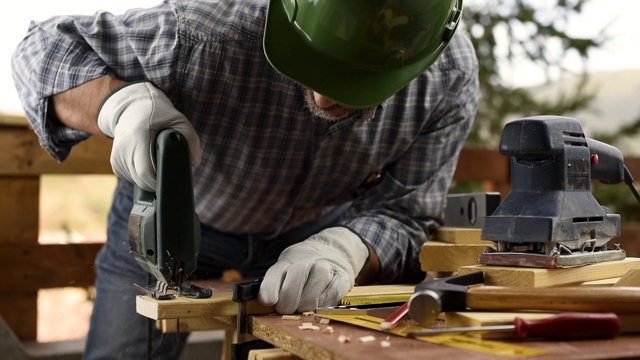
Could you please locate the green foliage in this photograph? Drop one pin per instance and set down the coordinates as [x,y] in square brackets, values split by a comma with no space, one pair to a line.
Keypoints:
[509,32]
[619,200]
[506,32]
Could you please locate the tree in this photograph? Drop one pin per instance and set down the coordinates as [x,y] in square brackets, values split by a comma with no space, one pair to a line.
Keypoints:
[505,32]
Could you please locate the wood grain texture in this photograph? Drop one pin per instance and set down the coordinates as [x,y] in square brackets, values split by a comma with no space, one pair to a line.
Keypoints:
[533,277]
[20,312]
[623,300]
[444,257]
[631,278]
[21,154]
[454,235]
[314,345]
[220,304]
[271,354]
[34,266]
[19,212]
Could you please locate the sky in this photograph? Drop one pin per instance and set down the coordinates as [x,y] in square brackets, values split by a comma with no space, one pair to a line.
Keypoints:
[619,16]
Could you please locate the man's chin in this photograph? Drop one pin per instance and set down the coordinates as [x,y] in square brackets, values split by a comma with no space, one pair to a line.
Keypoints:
[332,113]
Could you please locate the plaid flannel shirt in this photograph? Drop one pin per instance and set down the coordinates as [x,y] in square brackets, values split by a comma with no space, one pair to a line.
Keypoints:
[268,164]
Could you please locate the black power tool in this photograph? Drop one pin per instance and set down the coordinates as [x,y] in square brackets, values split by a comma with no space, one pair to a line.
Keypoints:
[550,218]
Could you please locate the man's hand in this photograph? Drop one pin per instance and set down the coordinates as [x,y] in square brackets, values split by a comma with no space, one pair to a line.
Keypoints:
[133,115]
[323,267]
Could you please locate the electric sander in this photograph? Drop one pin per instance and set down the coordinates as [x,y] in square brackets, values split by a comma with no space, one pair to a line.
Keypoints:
[550,217]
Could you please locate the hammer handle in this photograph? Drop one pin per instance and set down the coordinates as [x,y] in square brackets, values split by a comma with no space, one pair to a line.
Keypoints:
[579,298]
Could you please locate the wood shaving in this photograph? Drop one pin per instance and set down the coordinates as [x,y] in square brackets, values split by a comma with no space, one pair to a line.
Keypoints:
[308,313]
[385,343]
[366,339]
[324,321]
[344,339]
[328,330]
[308,326]
[291,317]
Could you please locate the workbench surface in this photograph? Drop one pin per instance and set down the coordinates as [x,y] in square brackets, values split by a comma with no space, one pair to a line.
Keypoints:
[310,345]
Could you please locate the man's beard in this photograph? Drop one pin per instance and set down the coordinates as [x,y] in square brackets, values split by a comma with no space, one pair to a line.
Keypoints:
[332,113]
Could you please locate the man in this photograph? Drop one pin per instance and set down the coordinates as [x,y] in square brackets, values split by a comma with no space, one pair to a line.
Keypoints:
[323,135]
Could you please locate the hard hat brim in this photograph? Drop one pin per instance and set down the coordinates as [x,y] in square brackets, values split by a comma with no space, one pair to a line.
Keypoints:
[290,54]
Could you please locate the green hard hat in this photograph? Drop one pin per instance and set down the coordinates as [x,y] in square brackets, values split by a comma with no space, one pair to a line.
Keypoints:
[357,53]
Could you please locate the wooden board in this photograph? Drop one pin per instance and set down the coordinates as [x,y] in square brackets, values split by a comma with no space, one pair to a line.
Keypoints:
[20,312]
[271,354]
[220,304]
[196,324]
[456,235]
[369,294]
[21,154]
[34,267]
[19,213]
[532,277]
[444,257]
[631,278]
[313,345]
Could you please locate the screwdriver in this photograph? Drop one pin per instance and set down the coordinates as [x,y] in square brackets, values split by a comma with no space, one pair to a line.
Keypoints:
[564,326]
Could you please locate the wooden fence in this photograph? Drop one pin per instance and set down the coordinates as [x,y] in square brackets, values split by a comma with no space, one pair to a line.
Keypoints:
[26,266]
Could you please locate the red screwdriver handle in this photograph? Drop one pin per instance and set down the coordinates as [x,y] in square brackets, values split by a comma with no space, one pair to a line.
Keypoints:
[570,325]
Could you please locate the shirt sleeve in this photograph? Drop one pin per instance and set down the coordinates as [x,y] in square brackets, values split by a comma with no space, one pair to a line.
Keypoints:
[66,51]
[396,216]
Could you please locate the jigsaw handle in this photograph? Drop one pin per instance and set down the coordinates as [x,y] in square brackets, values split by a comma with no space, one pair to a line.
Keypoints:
[569,326]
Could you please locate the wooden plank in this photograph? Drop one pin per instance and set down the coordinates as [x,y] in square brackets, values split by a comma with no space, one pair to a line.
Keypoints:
[318,345]
[14,120]
[220,304]
[631,278]
[195,324]
[21,154]
[456,235]
[20,312]
[34,266]
[444,257]
[369,294]
[478,164]
[629,239]
[19,213]
[271,354]
[532,277]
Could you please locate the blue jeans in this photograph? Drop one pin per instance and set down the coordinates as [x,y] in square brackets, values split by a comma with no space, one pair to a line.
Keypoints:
[117,331]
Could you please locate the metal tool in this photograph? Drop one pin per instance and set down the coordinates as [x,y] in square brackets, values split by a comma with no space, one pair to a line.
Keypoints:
[243,292]
[467,210]
[362,309]
[164,229]
[564,326]
[550,218]
[457,293]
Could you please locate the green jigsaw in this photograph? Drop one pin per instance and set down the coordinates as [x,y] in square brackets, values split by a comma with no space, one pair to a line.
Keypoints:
[164,229]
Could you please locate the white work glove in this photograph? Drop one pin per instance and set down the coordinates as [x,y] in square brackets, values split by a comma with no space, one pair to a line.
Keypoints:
[323,267]
[133,115]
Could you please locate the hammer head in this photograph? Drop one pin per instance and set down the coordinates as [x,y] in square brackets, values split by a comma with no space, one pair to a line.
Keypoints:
[446,294]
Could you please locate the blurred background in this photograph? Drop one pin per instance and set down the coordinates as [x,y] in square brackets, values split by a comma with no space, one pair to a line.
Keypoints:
[561,57]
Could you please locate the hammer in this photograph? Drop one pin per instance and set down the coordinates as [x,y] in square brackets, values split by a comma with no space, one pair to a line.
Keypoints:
[457,293]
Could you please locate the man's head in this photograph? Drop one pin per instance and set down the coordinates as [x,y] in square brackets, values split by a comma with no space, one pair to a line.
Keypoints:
[357,53]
